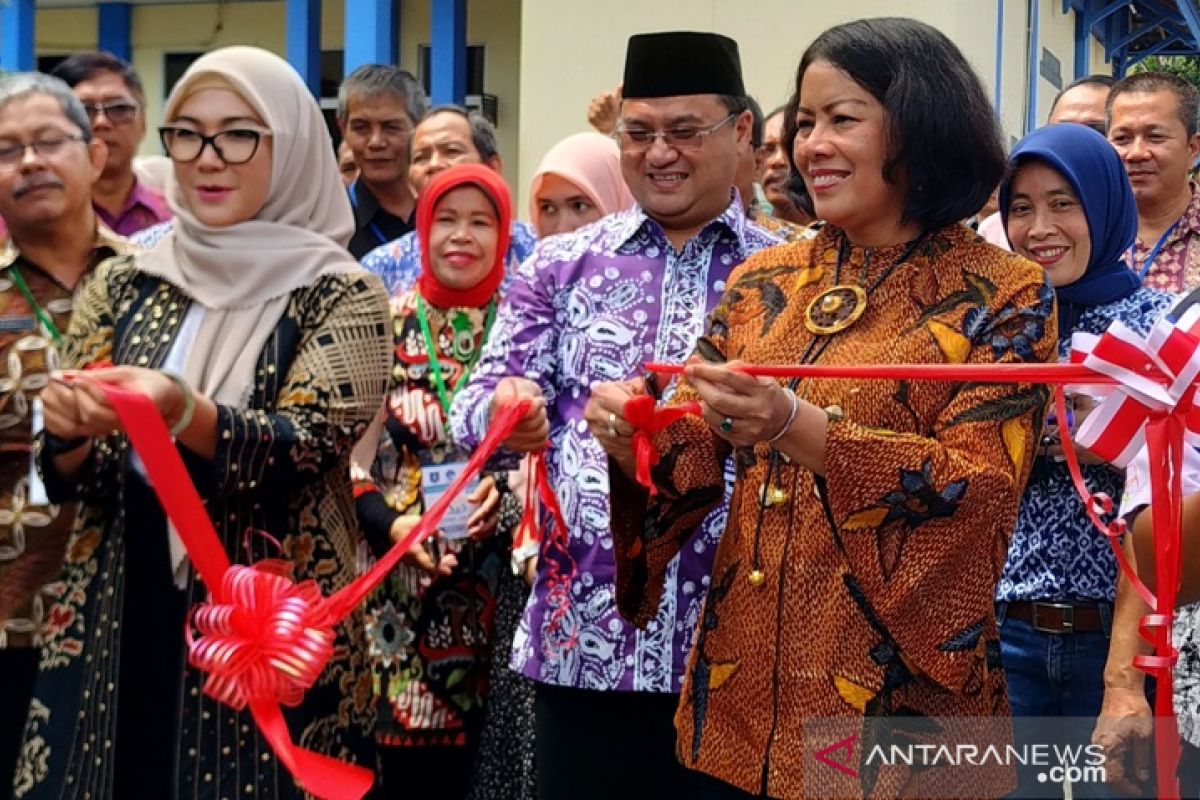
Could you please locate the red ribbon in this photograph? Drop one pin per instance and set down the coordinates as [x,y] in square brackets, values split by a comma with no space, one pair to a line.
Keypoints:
[262,638]
[647,419]
[1155,399]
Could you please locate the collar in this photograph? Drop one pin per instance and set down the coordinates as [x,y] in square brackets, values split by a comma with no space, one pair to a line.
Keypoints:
[106,240]
[149,199]
[364,202]
[733,219]
[1190,221]
[366,206]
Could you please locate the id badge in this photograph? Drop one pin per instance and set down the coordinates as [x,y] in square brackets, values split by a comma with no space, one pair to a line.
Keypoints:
[435,481]
[37,489]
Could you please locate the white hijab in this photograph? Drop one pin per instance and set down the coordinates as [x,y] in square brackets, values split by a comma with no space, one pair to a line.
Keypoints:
[243,274]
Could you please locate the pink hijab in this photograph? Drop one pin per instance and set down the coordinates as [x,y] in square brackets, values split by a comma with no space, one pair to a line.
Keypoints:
[592,162]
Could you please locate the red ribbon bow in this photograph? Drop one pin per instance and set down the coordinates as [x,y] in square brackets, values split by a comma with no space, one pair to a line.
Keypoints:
[648,419]
[264,639]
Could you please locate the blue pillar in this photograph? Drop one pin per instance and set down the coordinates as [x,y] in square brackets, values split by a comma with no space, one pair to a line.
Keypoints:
[370,33]
[17,51]
[999,98]
[113,26]
[448,56]
[1082,45]
[304,41]
[1035,53]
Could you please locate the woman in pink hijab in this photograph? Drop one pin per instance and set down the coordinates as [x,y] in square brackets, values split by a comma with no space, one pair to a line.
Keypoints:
[578,182]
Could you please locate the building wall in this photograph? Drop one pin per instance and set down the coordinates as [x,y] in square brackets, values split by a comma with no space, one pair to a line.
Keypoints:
[573,49]
[546,58]
[161,29]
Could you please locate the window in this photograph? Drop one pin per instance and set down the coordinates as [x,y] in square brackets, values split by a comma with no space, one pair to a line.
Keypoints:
[475,67]
[46,64]
[174,65]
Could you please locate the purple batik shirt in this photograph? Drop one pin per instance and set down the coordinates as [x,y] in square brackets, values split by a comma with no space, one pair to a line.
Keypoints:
[586,308]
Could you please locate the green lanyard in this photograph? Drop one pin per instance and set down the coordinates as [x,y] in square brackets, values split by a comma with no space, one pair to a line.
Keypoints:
[435,366]
[23,288]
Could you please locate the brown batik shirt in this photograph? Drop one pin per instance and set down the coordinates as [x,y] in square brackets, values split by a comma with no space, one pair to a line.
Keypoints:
[33,533]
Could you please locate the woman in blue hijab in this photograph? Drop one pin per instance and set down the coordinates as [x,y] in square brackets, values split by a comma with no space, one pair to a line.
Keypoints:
[1067,205]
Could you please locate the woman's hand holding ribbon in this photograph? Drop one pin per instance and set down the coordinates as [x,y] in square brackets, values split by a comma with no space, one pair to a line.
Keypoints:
[743,410]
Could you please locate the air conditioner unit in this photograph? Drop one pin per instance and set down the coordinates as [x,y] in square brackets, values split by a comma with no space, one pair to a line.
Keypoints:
[486,104]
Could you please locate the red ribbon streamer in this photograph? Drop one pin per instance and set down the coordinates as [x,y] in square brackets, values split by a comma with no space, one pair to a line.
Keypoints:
[1165,442]
[264,639]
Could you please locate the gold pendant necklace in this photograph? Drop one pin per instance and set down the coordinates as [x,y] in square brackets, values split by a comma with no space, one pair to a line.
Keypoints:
[835,309]
[843,304]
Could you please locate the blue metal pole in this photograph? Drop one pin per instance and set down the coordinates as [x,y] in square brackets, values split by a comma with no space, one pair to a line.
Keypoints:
[448,56]
[304,41]
[113,25]
[17,22]
[1082,45]
[370,33]
[1031,108]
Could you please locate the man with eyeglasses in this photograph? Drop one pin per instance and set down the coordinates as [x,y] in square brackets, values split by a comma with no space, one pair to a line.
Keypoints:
[112,95]
[49,162]
[582,315]
[378,107]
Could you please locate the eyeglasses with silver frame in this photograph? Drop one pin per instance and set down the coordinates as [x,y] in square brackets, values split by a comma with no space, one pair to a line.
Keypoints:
[49,145]
[685,138]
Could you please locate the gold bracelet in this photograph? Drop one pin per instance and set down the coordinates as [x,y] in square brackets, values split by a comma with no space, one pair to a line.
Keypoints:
[189,403]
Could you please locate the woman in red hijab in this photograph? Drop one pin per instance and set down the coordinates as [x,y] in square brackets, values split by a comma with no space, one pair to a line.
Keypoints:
[430,626]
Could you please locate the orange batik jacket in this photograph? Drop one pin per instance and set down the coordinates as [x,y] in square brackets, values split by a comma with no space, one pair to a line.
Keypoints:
[875,590]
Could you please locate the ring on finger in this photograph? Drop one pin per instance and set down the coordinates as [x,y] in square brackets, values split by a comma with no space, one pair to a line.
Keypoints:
[727,425]
[612,425]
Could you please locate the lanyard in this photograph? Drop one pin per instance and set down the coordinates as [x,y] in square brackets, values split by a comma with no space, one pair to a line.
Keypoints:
[46,320]
[353,191]
[1149,262]
[435,366]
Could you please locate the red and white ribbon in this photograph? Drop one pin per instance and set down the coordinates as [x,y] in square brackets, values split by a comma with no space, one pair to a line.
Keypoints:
[1155,377]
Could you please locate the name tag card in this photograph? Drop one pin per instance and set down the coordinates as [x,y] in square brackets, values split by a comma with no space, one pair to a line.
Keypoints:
[435,480]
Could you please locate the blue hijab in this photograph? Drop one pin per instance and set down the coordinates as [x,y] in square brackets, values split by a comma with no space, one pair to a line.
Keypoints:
[1094,170]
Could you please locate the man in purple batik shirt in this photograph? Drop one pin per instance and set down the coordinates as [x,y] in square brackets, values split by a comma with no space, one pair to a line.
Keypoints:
[589,308]
[112,95]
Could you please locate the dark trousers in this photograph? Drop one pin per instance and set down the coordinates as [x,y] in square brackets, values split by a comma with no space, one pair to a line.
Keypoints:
[610,746]
[426,773]
[18,670]
[1189,772]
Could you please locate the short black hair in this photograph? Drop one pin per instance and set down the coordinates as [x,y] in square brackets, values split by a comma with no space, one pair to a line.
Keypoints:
[1103,81]
[1185,93]
[949,160]
[483,134]
[756,122]
[84,66]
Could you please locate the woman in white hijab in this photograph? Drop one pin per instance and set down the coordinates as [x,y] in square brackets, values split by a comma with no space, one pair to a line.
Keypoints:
[265,349]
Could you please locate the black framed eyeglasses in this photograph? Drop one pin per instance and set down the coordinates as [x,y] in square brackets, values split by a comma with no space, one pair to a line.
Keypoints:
[234,146]
[119,112]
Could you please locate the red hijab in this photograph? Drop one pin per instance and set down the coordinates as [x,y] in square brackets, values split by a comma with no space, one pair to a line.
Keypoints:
[493,186]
